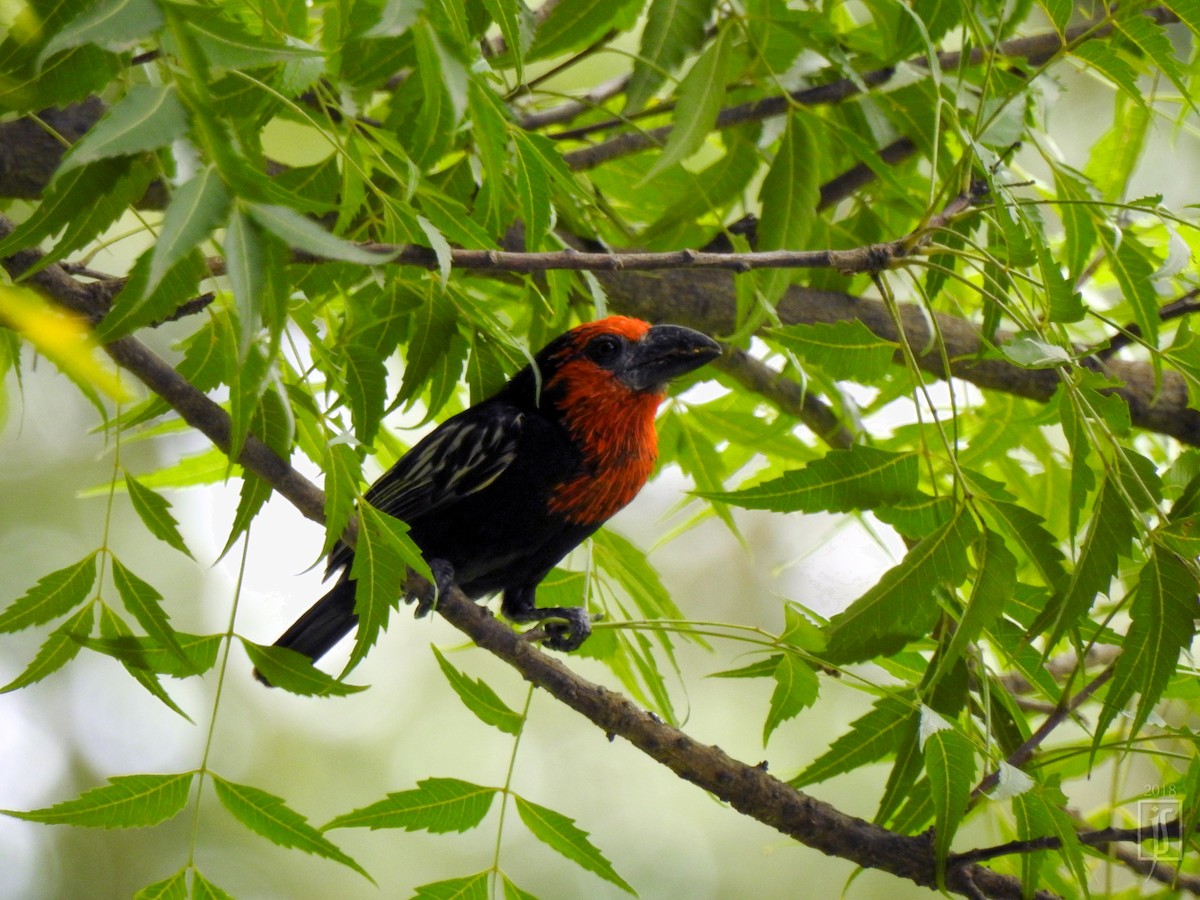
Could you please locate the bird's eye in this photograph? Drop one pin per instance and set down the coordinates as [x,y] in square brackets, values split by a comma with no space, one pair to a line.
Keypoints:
[604,349]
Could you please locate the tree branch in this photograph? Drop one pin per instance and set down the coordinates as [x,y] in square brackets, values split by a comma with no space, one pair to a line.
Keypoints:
[748,789]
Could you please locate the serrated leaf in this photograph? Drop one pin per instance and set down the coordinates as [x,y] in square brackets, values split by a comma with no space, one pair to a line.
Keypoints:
[573,24]
[532,184]
[144,602]
[950,766]
[902,606]
[1163,613]
[840,481]
[437,805]
[674,29]
[365,376]
[146,118]
[195,210]
[54,595]
[135,306]
[113,26]
[871,737]
[480,699]
[172,888]
[512,892]
[382,556]
[268,816]
[304,234]
[789,196]
[56,651]
[343,474]
[155,512]
[995,578]
[846,350]
[226,44]
[1041,812]
[295,673]
[516,25]
[763,668]
[700,96]
[563,835]
[469,887]
[796,687]
[203,889]
[127,801]
[1029,351]
[395,18]
[146,653]
[1101,56]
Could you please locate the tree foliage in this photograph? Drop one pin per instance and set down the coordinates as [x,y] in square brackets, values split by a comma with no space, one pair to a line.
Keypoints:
[943,317]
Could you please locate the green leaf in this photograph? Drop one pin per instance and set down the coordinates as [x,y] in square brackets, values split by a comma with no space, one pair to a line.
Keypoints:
[155,512]
[674,29]
[469,887]
[395,18]
[902,606]
[113,26]
[437,805]
[840,481]
[796,687]
[54,595]
[950,766]
[196,209]
[532,184]
[343,476]
[295,673]
[203,889]
[516,25]
[789,196]
[172,888]
[701,95]
[381,560]
[304,234]
[146,118]
[573,24]
[512,892]
[561,833]
[1029,351]
[127,801]
[78,206]
[1163,613]
[146,653]
[1041,812]
[366,390]
[62,646]
[871,737]
[144,602]
[1101,56]
[480,699]
[268,816]
[626,563]
[135,306]
[226,44]
[845,351]
[1112,530]
[995,579]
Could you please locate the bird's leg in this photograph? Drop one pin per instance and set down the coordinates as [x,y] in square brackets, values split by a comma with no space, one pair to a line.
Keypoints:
[443,580]
[569,626]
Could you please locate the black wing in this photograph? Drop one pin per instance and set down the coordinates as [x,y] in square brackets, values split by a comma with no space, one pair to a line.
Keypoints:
[463,455]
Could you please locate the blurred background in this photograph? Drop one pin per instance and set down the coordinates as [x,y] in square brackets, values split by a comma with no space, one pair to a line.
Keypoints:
[90,721]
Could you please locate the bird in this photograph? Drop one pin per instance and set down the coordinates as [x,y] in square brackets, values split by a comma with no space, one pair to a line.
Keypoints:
[496,495]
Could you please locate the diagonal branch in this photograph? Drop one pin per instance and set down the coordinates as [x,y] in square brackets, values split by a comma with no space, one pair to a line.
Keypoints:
[749,789]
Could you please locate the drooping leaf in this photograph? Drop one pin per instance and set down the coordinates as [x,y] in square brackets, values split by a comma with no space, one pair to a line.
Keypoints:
[562,834]
[796,688]
[145,603]
[56,651]
[700,97]
[950,766]
[295,673]
[789,195]
[480,699]
[195,210]
[902,606]
[268,816]
[674,29]
[382,557]
[155,512]
[1163,611]
[113,26]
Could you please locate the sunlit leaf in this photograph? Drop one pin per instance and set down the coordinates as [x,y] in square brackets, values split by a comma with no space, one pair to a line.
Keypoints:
[437,805]
[127,801]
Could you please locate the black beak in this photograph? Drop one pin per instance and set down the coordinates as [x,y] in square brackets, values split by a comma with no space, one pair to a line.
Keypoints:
[665,352]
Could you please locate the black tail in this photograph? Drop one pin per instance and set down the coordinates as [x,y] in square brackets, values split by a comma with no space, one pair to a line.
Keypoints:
[328,621]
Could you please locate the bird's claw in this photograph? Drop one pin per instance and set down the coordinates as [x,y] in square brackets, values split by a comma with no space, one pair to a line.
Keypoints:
[443,581]
[566,628]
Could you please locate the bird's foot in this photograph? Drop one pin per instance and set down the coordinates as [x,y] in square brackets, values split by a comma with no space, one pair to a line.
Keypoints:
[562,628]
[443,581]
